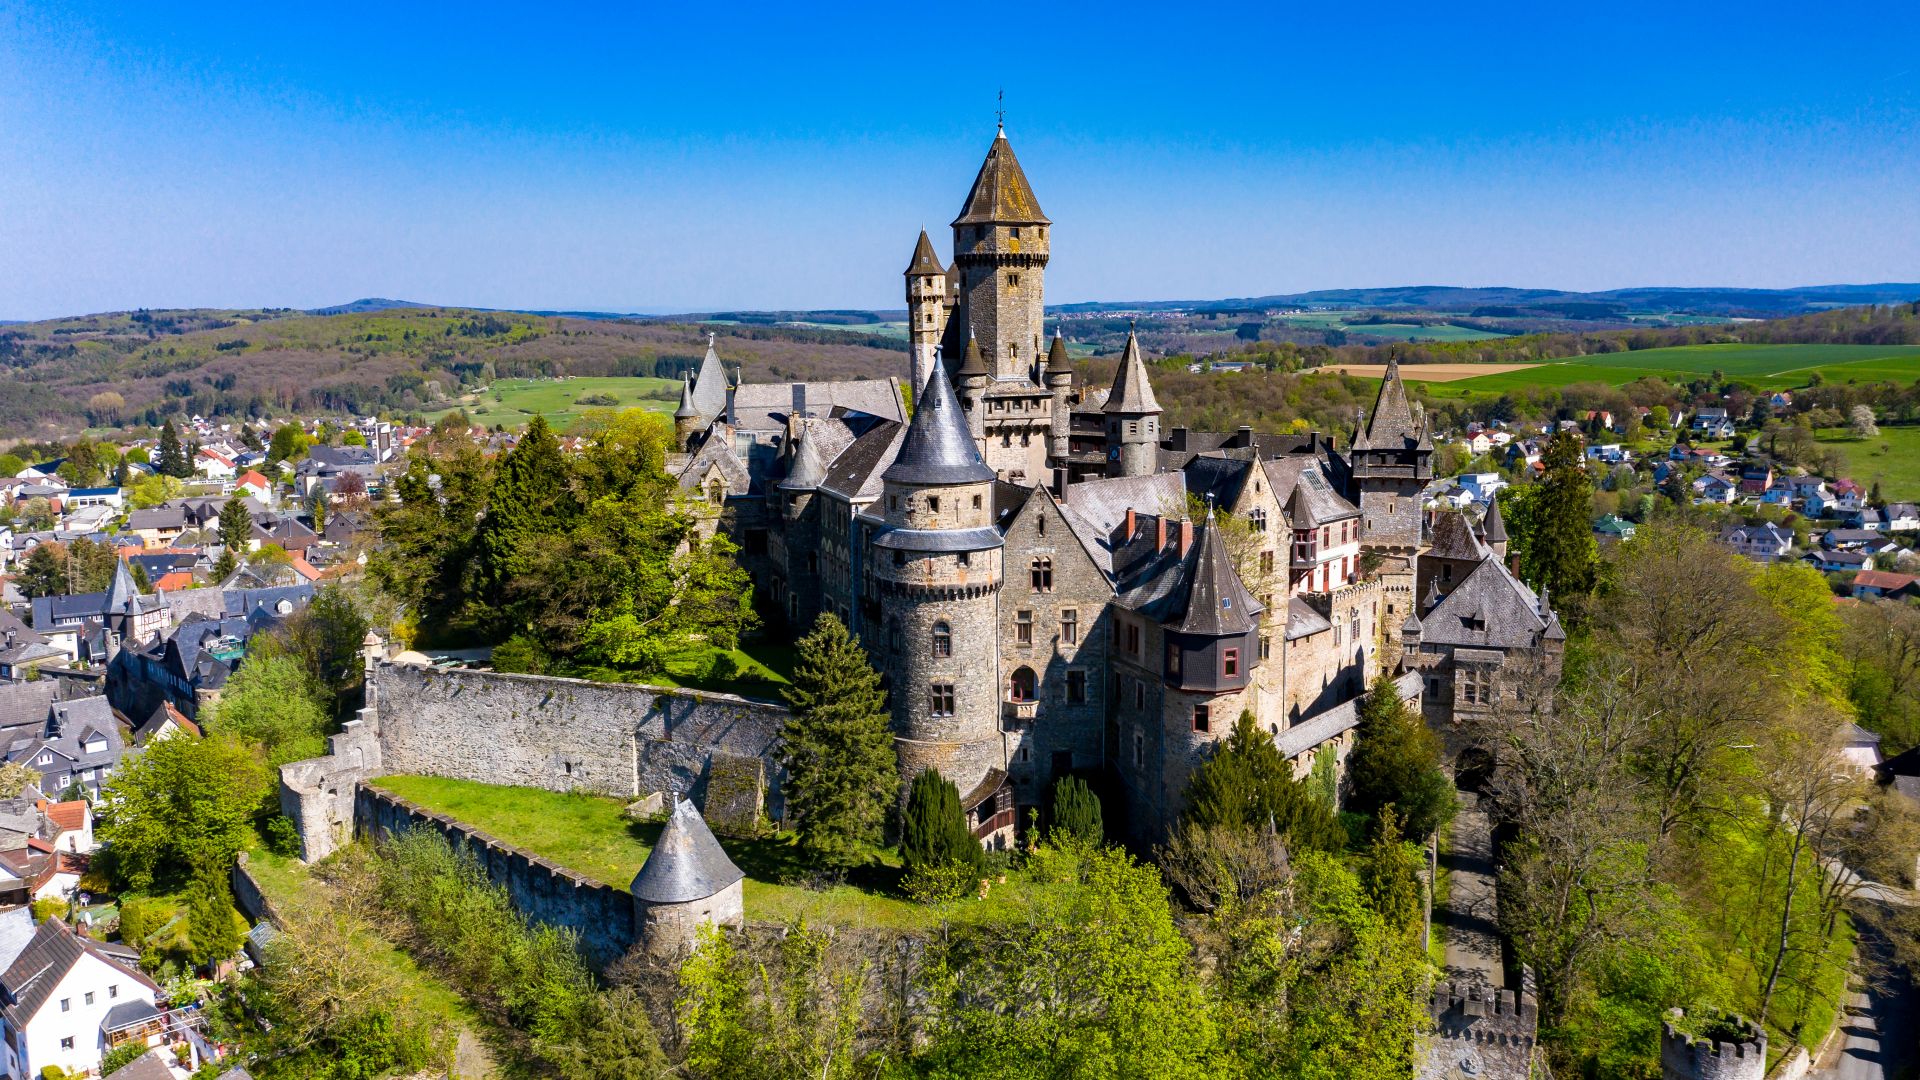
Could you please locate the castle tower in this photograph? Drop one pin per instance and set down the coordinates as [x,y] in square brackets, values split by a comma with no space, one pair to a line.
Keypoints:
[1133,418]
[1391,461]
[686,883]
[1000,248]
[1494,530]
[711,388]
[927,301]
[1060,383]
[1210,631]
[1727,1048]
[687,421]
[1481,1032]
[938,570]
[972,378]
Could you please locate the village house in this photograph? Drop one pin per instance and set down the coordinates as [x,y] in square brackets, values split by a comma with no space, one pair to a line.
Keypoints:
[1761,542]
[66,1000]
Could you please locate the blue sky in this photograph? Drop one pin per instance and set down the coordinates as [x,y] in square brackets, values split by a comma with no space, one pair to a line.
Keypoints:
[686,157]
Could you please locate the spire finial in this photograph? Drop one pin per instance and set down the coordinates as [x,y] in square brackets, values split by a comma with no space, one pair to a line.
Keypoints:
[710,338]
[1000,110]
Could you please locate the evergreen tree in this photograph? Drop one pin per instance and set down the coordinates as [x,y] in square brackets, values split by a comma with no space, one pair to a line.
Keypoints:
[1560,551]
[211,923]
[45,573]
[530,500]
[838,749]
[1391,874]
[934,834]
[1395,765]
[173,460]
[236,525]
[1247,784]
[1076,812]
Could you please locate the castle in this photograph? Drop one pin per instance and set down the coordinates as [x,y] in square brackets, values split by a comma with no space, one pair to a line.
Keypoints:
[1049,580]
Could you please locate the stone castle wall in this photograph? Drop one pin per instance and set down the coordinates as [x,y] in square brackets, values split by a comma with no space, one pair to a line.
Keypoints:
[540,890]
[567,734]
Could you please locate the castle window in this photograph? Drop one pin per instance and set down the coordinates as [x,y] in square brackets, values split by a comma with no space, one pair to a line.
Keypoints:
[899,557]
[940,699]
[976,502]
[893,502]
[1023,628]
[1076,687]
[1230,663]
[1133,638]
[1266,562]
[1139,749]
[1013,280]
[1006,438]
[1173,661]
[1015,233]
[1040,526]
[1133,427]
[1258,519]
[942,639]
[933,503]
[1070,626]
[716,494]
[1266,647]
[1139,694]
[965,558]
[1042,575]
[1021,686]
[895,639]
[1201,721]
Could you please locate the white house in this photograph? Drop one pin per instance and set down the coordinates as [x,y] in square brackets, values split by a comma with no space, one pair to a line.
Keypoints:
[214,465]
[1482,485]
[66,999]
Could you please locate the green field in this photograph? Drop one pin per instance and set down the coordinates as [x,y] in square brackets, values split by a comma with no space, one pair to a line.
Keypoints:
[592,835]
[1337,320]
[1891,457]
[1767,366]
[512,402]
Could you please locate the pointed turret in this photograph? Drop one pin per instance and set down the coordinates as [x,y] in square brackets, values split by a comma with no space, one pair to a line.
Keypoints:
[1000,193]
[687,882]
[1494,528]
[122,593]
[1217,602]
[1057,360]
[687,407]
[928,294]
[1390,460]
[974,364]
[1132,391]
[925,261]
[710,385]
[1392,422]
[937,448]
[808,468]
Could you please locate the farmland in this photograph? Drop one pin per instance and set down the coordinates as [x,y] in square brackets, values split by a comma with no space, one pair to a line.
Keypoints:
[1892,458]
[512,402]
[1408,331]
[1766,366]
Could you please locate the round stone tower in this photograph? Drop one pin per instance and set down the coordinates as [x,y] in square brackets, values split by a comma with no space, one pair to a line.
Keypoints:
[927,300]
[686,883]
[1060,384]
[1133,418]
[1728,1048]
[938,569]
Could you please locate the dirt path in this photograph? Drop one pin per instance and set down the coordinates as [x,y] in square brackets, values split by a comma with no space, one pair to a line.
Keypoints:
[1469,917]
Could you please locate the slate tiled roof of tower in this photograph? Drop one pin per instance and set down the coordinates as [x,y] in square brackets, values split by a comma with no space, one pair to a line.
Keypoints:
[925,260]
[686,863]
[809,465]
[1453,538]
[710,385]
[1000,192]
[938,448]
[687,407]
[1391,426]
[1132,391]
[1216,603]
[1492,527]
[1057,359]
[1489,609]
[973,363]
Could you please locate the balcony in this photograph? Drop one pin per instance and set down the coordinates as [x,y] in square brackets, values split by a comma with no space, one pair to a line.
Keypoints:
[1018,713]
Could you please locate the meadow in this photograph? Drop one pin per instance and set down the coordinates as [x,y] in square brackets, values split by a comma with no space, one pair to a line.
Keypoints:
[1769,367]
[1892,458]
[1337,320]
[512,402]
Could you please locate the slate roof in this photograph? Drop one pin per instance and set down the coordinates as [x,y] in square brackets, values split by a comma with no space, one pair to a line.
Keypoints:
[1057,359]
[1902,770]
[1216,603]
[1096,509]
[938,448]
[1308,495]
[686,863]
[1452,538]
[16,931]
[855,473]
[1391,424]
[1304,620]
[687,407]
[1490,608]
[1218,478]
[710,384]
[767,406]
[50,611]
[1194,593]
[1132,393]
[808,467]
[157,721]
[1000,193]
[157,517]
[34,975]
[971,363]
[27,703]
[925,260]
[1338,720]
[1492,525]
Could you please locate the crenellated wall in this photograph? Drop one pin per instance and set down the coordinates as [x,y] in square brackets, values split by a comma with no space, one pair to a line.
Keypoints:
[1480,1032]
[541,890]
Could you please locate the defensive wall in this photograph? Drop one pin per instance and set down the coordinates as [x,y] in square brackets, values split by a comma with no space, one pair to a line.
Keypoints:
[615,739]
[541,890]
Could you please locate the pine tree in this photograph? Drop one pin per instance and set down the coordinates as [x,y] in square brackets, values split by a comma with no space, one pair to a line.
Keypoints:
[173,460]
[1390,874]
[838,748]
[1247,784]
[236,525]
[1561,552]
[1395,765]
[934,834]
[530,499]
[210,921]
[1076,812]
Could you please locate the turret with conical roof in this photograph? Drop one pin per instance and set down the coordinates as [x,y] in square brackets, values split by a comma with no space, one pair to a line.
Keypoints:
[1060,385]
[1390,462]
[1133,417]
[1000,249]
[687,421]
[937,568]
[709,397]
[927,303]
[1494,529]
[687,882]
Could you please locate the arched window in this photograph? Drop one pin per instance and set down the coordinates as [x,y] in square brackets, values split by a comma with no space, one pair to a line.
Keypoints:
[942,639]
[1021,686]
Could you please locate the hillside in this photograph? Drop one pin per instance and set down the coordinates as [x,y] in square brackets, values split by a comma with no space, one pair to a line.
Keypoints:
[139,367]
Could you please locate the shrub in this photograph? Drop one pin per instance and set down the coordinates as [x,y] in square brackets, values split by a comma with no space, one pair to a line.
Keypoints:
[1076,812]
[935,834]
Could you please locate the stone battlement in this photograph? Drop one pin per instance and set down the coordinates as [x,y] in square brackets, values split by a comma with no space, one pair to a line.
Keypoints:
[1684,1056]
[1486,1010]
[1481,1032]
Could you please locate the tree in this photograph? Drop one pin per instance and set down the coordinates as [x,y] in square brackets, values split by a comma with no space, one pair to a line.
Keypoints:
[794,1011]
[353,438]
[530,502]
[288,442]
[90,566]
[173,459]
[12,464]
[1076,813]
[1560,551]
[271,701]
[103,408]
[1395,765]
[1861,423]
[152,490]
[934,836]
[182,808]
[838,748]
[236,524]
[1247,784]
[326,637]
[45,573]
[212,923]
[14,778]
[1391,873]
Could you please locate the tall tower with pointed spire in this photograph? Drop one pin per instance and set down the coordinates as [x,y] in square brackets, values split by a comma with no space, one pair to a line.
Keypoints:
[1000,246]
[927,305]
[1133,417]
[1391,460]
[937,567]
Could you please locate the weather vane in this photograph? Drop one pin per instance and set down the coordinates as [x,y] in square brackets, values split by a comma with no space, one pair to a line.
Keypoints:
[1000,112]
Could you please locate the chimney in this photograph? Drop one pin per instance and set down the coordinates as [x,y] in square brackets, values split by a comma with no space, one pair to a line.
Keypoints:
[1244,436]
[799,399]
[1186,536]
[1160,532]
[1177,439]
[1132,527]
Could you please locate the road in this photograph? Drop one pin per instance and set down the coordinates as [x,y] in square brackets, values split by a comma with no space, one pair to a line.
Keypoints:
[1880,1030]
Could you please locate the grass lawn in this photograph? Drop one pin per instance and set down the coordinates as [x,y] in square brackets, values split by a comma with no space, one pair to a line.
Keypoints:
[591,834]
[1891,457]
[513,402]
[758,670]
